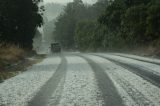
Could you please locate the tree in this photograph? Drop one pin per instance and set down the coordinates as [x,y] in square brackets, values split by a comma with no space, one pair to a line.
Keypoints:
[153,22]
[19,20]
[111,21]
[113,25]
[130,3]
[113,15]
[134,25]
[66,23]
[89,35]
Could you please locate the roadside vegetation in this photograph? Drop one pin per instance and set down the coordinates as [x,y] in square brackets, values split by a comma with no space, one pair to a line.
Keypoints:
[11,53]
[14,60]
[110,25]
[19,20]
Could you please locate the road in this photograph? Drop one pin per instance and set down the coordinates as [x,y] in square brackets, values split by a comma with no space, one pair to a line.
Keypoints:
[86,79]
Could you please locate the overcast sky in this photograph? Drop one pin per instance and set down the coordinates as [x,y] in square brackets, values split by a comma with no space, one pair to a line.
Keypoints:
[65,1]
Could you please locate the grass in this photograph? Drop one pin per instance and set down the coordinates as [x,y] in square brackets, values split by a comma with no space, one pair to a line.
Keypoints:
[12,54]
[9,54]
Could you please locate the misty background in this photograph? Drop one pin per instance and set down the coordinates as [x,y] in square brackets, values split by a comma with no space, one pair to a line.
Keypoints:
[44,35]
[102,25]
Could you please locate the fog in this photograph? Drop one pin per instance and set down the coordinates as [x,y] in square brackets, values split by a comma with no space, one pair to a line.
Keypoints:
[53,8]
[65,1]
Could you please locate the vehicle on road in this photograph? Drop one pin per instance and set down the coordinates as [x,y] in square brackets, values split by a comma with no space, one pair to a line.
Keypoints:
[55,47]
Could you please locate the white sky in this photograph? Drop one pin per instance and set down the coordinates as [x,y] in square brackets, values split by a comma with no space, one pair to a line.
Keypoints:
[65,1]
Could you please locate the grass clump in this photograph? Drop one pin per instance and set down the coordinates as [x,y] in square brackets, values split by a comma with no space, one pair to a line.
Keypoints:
[10,54]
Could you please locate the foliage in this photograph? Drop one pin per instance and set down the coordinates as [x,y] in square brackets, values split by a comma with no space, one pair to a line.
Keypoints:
[113,25]
[19,20]
[134,25]
[86,34]
[74,12]
[153,22]
[66,23]
[11,53]
[112,20]
[113,15]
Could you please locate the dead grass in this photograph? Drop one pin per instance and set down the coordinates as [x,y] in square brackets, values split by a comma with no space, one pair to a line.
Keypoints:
[8,74]
[13,71]
[13,60]
[11,53]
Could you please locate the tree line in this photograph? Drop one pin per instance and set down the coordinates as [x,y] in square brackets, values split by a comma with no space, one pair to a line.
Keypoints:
[19,20]
[109,25]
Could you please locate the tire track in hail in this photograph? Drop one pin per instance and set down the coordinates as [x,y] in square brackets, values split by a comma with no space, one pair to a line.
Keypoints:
[80,87]
[110,94]
[124,78]
[136,95]
[45,93]
[137,59]
[141,98]
[149,76]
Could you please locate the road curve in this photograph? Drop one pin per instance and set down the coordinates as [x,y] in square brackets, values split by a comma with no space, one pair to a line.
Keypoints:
[43,96]
[81,79]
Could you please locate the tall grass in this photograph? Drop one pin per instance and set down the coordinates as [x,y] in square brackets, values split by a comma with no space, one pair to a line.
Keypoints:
[10,53]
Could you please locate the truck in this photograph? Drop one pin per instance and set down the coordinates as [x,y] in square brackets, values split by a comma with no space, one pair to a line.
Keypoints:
[55,47]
